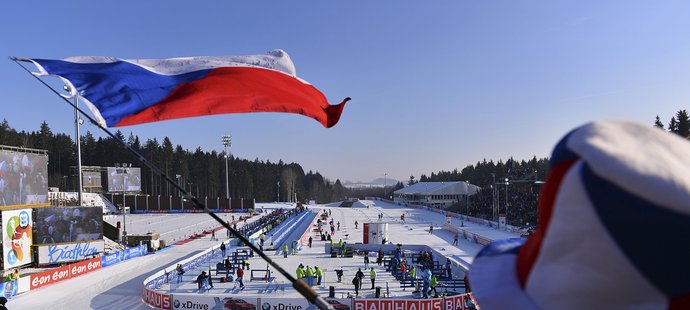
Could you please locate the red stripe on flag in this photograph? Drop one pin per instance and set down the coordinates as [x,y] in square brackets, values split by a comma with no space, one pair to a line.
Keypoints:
[241,90]
[530,250]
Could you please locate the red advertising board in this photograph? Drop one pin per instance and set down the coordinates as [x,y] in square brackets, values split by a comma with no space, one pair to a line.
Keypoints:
[83,267]
[454,302]
[49,277]
[158,300]
[65,272]
[399,304]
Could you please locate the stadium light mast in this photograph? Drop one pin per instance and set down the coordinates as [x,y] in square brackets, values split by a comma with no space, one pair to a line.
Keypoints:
[467,200]
[124,172]
[226,144]
[507,183]
[385,180]
[493,197]
[77,122]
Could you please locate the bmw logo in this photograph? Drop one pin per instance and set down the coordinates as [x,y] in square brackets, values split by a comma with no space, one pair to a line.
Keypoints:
[266,306]
[176,303]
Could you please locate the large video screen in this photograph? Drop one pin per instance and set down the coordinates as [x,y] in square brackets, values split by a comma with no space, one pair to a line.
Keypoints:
[67,224]
[91,179]
[132,178]
[23,178]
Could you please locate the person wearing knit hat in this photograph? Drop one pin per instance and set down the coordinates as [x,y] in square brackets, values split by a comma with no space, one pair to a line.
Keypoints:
[614,220]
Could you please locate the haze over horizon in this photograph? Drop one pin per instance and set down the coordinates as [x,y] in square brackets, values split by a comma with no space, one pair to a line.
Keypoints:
[434,87]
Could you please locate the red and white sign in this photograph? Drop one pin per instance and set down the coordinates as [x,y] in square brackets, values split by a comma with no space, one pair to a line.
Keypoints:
[399,304]
[49,277]
[83,267]
[65,272]
[156,299]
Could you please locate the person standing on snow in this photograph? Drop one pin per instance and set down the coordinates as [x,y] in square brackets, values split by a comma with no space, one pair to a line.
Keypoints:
[240,275]
[180,272]
[426,280]
[372,274]
[319,275]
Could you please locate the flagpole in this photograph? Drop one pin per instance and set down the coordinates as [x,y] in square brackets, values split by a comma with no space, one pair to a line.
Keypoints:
[300,286]
[77,123]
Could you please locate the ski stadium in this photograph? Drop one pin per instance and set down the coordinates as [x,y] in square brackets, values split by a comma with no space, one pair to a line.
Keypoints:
[98,256]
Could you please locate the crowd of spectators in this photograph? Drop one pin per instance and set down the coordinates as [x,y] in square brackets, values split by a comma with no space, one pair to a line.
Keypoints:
[521,204]
[269,221]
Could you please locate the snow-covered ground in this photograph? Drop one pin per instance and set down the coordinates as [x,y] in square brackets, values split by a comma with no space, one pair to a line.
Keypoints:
[120,286]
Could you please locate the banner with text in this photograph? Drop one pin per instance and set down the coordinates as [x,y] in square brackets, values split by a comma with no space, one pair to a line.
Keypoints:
[65,272]
[399,304]
[58,253]
[16,238]
[158,300]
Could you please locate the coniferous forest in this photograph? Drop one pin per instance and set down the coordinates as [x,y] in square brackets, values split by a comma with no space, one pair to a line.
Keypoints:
[202,172]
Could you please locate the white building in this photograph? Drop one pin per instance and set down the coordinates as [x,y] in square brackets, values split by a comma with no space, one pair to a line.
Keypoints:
[435,194]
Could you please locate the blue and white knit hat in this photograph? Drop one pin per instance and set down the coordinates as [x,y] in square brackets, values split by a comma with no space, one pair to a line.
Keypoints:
[614,228]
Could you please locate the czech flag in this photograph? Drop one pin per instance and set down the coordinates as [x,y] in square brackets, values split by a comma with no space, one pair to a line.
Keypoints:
[123,92]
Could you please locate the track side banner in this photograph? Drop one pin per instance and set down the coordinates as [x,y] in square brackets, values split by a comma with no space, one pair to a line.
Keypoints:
[58,253]
[156,299]
[405,304]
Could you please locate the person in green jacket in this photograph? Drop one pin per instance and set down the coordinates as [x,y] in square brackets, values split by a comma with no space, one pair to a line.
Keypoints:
[319,275]
[372,274]
[340,244]
[433,283]
[413,276]
[285,250]
[310,276]
[300,273]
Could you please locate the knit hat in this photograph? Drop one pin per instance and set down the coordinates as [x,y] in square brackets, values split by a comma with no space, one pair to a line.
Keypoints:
[614,221]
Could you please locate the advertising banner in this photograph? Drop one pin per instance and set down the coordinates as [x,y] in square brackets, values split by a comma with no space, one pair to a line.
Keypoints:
[16,238]
[135,252]
[131,177]
[158,300]
[110,259]
[84,267]
[58,253]
[284,303]
[211,302]
[398,304]
[8,289]
[455,302]
[49,277]
[23,178]
[68,224]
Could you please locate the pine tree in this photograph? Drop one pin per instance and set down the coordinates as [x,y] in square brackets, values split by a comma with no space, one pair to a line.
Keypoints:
[683,126]
[673,125]
[658,123]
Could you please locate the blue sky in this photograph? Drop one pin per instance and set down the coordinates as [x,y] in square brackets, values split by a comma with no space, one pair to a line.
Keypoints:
[435,85]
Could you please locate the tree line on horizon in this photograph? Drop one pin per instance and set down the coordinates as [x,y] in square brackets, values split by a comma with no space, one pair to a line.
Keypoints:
[679,124]
[202,173]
